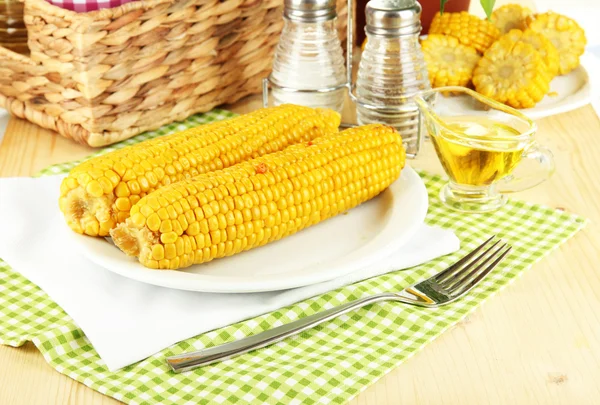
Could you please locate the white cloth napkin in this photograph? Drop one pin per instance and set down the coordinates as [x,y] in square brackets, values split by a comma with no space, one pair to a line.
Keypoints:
[126,320]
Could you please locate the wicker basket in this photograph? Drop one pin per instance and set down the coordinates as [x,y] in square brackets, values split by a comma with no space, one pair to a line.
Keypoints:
[104,76]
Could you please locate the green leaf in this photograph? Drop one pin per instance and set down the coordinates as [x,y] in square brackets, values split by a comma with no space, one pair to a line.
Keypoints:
[442,4]
[488,7]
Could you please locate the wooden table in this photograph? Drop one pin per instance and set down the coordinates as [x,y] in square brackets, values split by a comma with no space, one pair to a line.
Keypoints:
[538,342]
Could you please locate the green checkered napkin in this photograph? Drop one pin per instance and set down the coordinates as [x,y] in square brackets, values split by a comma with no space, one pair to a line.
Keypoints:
[328,364]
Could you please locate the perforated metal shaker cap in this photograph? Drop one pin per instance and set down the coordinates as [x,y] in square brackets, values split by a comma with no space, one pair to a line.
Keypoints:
[309,10]
[393,17]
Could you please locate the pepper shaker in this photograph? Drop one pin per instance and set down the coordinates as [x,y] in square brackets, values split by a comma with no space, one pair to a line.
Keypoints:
[392,70]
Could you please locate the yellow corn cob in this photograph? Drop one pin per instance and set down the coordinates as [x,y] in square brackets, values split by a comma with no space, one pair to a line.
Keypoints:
[468,29]
[449,63]
[98,194]
[512,73]
[255,202]
[541,44]
[566,35]
[510,16]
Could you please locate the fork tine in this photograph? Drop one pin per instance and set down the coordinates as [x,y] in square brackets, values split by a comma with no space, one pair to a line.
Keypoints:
[466,286]
[444,274]
[471,269]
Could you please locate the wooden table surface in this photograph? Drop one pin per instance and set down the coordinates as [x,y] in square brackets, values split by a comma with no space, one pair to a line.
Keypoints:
[538,342]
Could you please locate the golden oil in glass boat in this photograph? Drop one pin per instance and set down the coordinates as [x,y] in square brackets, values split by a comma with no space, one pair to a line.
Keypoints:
[466,148]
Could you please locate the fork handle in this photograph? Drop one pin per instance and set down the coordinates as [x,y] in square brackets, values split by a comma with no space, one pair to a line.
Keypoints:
[189,361]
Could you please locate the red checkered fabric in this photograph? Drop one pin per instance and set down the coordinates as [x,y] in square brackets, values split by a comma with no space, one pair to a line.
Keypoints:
[81,6]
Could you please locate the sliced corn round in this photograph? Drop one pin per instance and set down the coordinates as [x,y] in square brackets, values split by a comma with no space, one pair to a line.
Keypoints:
[566,35]
[468,29]
[541,44]
[510,16]
[449,63]
[512,73]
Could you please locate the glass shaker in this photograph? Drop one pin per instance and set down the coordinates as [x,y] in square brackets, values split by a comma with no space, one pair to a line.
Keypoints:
[308,66]
[392,69]
[13,33]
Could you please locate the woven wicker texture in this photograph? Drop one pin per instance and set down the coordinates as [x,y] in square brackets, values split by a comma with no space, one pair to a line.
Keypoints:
[107,75]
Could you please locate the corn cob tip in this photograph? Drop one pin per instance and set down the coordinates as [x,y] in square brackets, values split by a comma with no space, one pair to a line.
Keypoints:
[133,241]
[87,214]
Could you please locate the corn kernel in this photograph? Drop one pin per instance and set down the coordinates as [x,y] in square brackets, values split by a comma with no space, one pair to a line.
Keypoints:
[94,189]
[170,251]
[138,220]
[165,226]
[182,221]
[193,229]
[146,210]
[123,204]
[171,212]
[213,223]
[121,217]
[179,246]
[92,228]
[134,187]
[169,237]
[177,227]
[122,190]
[153,222]
[158,252]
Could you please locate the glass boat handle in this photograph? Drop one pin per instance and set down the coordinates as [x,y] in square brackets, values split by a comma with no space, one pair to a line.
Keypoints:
[536,166]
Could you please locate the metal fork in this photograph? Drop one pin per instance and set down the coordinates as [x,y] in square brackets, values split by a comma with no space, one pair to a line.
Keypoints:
[441,289]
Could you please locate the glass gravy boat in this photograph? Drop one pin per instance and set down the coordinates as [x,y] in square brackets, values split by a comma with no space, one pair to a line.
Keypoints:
[486,148]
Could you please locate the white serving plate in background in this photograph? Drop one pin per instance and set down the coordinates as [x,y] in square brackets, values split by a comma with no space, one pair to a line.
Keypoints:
[569,92]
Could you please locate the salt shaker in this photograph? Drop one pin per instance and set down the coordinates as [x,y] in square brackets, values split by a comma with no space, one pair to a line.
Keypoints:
[308,66]
[392,69]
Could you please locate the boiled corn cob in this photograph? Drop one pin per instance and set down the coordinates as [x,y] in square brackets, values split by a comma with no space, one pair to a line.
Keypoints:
[467,28]
[98,194]
[449,63]
[510,16]
[512,73]
[566,35]
[541,44]
[255,202]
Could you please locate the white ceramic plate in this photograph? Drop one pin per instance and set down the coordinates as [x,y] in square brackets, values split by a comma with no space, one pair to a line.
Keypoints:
[323,252]
[569,92]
